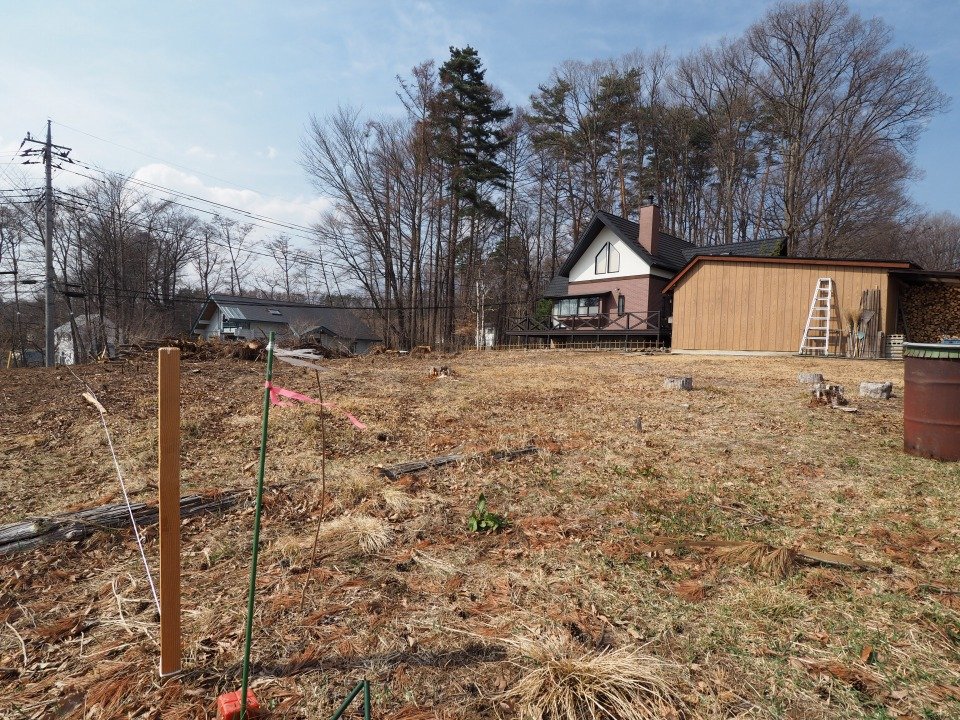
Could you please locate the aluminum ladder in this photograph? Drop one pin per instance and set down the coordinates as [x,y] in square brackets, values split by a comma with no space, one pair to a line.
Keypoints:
[816,334]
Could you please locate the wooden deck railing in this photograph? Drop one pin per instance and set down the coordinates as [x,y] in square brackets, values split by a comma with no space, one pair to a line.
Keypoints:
[602,322]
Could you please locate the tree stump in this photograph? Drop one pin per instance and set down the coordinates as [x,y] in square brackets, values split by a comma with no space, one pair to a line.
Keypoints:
[876,390]
[678,383]
[807,378]
[827,394]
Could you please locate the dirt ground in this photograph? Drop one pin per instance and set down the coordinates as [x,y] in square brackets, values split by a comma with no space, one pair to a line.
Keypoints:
[441,619]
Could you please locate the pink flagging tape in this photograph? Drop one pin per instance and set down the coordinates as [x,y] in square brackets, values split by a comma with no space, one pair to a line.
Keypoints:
[278,393]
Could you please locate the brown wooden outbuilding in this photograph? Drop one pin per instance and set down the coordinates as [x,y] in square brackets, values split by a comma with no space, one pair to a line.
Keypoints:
[730,303]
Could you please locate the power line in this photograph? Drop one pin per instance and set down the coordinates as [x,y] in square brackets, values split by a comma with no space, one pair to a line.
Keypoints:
[212,213]
[179,193]
[296,257]
[168,162]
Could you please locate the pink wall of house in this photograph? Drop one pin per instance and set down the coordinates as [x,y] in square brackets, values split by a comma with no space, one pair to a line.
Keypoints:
[641,292]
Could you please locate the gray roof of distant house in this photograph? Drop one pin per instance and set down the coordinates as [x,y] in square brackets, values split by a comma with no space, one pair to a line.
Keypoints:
[342,322]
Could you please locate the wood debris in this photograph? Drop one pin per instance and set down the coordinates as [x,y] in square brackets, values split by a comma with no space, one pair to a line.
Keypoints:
[78,525]
[395,471]
[776,561]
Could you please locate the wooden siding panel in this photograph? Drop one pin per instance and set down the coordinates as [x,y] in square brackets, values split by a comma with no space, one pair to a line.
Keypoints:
[763,307]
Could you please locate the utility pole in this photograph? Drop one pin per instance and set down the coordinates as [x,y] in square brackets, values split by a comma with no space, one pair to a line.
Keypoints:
[48,299]
[47,152]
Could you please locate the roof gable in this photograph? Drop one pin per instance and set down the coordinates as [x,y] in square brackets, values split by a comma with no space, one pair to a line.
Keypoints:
[670,249]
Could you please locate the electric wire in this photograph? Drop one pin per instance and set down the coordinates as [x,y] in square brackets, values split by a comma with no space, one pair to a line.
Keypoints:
[123,486]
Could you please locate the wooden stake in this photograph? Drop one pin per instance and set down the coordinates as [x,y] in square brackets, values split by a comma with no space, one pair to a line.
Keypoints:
[168,404]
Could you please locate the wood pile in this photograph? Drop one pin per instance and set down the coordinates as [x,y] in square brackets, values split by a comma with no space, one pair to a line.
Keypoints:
[213,349]
[191,349]
[931,311]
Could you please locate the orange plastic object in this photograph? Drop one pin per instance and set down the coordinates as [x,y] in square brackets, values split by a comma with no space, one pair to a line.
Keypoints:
[228,706]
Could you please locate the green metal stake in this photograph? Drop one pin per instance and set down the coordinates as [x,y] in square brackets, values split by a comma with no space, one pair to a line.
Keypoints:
[363,685]
[346,703]
[256,530]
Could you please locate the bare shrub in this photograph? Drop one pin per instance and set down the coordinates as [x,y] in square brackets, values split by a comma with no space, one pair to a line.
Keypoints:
[564,682]
[352,535]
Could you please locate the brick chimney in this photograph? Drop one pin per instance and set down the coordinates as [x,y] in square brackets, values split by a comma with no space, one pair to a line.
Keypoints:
[649,236]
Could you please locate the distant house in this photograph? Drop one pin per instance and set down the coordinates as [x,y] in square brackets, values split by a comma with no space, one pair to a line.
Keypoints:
[94,335]
[245,318]
[610,286]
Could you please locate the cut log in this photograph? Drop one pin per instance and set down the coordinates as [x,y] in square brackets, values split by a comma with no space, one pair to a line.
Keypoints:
[678,383]
[78,525]
[876,390]
[827,394]
[808,378]
[395,471]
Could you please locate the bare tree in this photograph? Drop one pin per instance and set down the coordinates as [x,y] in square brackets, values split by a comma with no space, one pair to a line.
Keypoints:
[830,88]
[233,237]
[208,260]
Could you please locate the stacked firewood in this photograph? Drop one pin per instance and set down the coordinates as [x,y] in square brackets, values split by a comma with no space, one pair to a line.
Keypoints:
[931,312]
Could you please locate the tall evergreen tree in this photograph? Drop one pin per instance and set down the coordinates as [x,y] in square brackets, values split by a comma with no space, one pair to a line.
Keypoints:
[469,117]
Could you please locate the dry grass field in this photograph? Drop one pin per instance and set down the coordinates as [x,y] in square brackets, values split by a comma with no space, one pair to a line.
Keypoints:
[606,594]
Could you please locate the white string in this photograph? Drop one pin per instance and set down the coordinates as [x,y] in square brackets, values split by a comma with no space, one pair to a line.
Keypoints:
[123,487]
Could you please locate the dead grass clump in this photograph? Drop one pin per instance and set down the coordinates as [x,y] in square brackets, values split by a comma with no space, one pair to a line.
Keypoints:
[355,486]
[291,550]
[563,682]
[352,535]
[776,562]
[397,501]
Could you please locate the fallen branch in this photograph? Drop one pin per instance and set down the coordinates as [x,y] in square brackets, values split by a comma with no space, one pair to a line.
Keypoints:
[395,471]
[78,525]
[728,547]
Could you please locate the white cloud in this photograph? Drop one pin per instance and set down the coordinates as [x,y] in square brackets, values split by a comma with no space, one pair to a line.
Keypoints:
[298,210]
[270,153]
[198,151]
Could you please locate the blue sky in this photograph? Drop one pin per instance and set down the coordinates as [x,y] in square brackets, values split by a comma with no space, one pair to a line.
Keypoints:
[218,93]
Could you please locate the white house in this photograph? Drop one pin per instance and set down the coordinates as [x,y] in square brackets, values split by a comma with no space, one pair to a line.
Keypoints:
[92,333]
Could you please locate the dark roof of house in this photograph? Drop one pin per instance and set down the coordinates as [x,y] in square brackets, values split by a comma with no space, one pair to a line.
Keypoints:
[342,322]
[670,249]
[557,287]
[892,265]
[774,247]
[916,275]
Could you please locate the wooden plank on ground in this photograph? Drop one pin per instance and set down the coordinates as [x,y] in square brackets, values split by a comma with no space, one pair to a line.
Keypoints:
[33,532]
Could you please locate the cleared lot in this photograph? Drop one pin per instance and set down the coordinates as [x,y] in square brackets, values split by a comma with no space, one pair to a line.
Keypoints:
[439,618]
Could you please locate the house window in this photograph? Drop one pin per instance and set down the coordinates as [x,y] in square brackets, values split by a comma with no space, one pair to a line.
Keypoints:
[607,260]
[577,306]
[621,304]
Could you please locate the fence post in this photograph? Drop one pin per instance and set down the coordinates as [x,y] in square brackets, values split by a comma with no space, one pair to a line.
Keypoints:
[168,411]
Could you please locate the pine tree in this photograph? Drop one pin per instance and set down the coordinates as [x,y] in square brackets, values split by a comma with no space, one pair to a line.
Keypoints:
[469,120]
